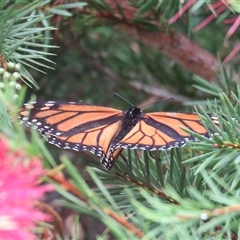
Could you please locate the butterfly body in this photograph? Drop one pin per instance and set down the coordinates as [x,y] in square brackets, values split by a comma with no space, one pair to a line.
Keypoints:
[106,131]
[131,117]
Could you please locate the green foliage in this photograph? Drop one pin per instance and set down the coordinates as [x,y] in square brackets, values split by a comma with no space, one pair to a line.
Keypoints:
[21,39]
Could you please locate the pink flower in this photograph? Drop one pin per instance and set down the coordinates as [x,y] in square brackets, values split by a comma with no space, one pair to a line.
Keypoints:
[18,194]
[219,7]
[185,7]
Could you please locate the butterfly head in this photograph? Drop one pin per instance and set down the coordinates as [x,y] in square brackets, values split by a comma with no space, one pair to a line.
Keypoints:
[134,112]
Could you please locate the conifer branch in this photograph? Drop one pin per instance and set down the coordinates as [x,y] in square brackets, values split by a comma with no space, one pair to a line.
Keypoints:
[172,44]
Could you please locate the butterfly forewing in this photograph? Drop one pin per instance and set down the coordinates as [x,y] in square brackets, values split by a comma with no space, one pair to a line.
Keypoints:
[163,131]
[74,125]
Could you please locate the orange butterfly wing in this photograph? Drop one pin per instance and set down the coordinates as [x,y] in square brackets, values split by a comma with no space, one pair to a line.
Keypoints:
[76,126]
[163,130]
[105,131]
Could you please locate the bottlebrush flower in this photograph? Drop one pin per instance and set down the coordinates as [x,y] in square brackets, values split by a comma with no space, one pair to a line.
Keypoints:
[18,194]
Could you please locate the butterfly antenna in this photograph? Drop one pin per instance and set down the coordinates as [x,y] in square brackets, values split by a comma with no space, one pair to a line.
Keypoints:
[164,99]
[116,94]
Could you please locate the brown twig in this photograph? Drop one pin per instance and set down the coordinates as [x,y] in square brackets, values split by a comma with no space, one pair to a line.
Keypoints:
[60,179]
[177,47]
[173,44]
[161,194]
[56,222]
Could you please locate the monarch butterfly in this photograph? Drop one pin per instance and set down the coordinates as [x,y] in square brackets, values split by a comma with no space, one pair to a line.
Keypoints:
[105,131]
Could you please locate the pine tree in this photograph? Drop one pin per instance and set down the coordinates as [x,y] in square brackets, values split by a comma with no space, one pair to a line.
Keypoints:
[157,49]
